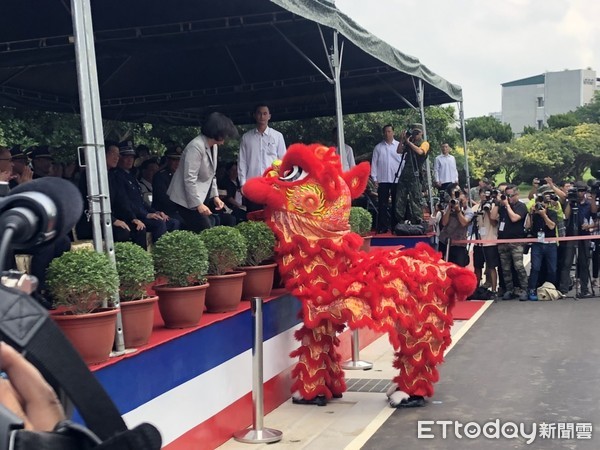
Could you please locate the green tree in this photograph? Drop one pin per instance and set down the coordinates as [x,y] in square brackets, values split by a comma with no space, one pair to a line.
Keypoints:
[543,155]
[558,121]
[562,153]
[486,127]
[529,130]
[590,113]
[487,158]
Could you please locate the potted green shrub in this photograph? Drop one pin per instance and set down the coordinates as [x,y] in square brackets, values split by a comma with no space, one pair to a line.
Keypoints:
[259,268]
[361,222]
[226,250]
[136,271]
[181,259]
[80,282]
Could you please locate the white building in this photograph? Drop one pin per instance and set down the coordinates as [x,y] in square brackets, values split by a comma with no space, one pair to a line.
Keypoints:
[529,102]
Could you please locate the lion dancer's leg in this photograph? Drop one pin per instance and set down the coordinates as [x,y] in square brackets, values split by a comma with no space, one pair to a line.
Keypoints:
[421,349]
[318,375]
[336,382]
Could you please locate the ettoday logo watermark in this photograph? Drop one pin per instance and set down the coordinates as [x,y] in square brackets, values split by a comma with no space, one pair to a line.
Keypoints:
[495,429]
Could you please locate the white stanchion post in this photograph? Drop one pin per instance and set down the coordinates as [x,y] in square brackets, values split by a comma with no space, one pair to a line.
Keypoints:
[355,363]
[257,434]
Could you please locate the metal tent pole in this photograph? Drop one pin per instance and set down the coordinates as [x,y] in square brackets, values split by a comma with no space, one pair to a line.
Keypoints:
[93,136]
[336,65]
[420,97]
[461,115]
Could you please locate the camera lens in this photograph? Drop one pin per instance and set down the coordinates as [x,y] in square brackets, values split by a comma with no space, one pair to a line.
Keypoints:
[503,197]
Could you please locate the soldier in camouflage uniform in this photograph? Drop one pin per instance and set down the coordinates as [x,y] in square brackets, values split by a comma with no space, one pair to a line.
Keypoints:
[409,193]
[510,213]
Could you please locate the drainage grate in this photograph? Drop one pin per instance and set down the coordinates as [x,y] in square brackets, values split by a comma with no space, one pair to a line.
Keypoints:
[367,385]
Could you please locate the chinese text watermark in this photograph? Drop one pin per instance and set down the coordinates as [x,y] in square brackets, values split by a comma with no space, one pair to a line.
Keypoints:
[495,429]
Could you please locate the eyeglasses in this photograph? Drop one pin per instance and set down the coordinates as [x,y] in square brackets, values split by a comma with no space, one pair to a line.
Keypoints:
[511,195]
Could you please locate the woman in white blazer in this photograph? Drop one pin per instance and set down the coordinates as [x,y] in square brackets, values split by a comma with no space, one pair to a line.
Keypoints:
[194,182]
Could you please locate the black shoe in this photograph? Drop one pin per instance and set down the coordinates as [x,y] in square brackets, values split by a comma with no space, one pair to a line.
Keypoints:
[383,231]
[319,400]
[584,295]
[414,401]
[508,295]
[337,395]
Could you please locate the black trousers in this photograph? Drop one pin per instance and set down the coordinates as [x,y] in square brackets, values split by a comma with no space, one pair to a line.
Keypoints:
[194,221]
[386,217]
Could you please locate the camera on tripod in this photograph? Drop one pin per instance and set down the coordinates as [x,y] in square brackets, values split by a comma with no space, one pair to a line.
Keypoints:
[572,195]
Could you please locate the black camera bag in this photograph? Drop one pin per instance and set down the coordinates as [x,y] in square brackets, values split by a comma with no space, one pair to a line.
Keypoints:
[407,229]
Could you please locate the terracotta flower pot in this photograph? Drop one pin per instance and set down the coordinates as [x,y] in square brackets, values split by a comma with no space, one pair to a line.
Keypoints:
[258,280]
[181,307]
[225,292]
[366,246]
[92,335]
[138,320]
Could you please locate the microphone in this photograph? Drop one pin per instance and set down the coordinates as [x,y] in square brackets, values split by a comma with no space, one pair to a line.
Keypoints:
[39,211]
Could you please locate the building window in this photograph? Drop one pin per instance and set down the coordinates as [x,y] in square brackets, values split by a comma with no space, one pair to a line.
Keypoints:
[540,101]
[540,124]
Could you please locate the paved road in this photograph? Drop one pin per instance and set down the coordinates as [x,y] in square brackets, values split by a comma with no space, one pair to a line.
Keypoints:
[522,362]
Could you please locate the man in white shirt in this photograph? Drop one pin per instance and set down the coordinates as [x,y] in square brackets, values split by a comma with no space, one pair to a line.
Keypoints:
[258,149]
[444,169]
[384,171]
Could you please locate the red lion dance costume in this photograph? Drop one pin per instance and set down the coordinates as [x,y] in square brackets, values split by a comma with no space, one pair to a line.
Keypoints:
[407,293]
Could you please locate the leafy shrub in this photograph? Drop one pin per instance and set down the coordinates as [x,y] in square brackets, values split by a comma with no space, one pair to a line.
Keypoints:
[260,241]
[82,280]
[226,249]
[135,268]
[360,220]
[181,257]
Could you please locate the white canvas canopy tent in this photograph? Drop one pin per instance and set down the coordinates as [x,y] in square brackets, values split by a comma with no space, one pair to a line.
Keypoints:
[150,60]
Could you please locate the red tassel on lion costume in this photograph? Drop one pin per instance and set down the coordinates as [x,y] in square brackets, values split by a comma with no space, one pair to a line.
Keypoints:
[407,293]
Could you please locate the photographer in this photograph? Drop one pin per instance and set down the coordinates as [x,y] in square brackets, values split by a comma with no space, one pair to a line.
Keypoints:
[510,214]
[486,229]
[409,195]
[455,222]
[541,220]
[578,214]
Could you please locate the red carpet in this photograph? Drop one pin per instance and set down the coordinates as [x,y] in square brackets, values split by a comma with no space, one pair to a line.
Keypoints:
[465,310]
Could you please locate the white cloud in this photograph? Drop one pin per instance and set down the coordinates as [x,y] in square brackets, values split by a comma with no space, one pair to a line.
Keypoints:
[481,44]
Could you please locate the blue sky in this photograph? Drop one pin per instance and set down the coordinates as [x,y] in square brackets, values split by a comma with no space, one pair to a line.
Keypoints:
[481,44]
